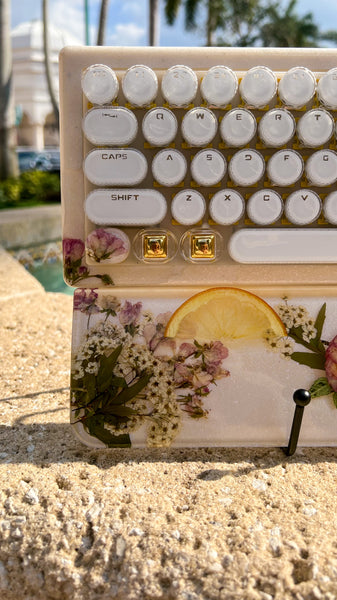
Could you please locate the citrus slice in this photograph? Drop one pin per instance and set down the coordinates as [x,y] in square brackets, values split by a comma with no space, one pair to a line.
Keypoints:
[224,313]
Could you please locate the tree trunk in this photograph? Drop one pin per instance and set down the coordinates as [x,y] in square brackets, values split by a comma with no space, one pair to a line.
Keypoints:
[102,22]
[154,22]
[47,62]
[209,24]
[8,157]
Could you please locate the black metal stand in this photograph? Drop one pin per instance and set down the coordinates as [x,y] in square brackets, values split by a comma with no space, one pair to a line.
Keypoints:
[301,398]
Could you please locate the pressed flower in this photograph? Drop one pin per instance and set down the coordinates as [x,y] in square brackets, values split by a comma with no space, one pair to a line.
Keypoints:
[331,363]
[107,244]
[73,250]
[129,313]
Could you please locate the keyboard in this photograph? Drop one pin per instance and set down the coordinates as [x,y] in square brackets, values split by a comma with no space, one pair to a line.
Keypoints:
[199,202]
[223,159]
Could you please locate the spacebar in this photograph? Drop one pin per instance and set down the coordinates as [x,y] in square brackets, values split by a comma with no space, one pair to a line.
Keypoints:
[284,246]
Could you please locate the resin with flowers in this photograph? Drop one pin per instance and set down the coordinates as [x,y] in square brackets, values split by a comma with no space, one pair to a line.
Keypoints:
[132,384]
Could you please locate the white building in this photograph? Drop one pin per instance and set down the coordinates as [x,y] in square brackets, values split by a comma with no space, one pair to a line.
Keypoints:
[37,124]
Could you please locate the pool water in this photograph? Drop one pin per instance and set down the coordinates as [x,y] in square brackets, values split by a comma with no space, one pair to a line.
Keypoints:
[45,263]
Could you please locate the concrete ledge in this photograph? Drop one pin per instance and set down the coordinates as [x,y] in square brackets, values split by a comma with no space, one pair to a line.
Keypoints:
[20,228]
[76,523]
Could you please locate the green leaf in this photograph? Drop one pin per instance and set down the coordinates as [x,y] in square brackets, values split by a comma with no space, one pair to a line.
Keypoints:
[119,411]
[315,361]
[334,397]
[319,323]
[96,428]
[132,391]
[320,387]
[107,365]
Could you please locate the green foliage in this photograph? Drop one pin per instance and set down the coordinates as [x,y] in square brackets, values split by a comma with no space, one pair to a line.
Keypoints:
[29,189]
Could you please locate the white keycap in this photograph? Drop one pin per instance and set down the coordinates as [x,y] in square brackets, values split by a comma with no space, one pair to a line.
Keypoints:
[246,167]
[110,125]
[315,128]
[302,207]
[140,85]
[330,208]
[327,89]
[227,207]
[160,126]
[99,84]
[265,207]
[219,86]
[115,166]
[121,252]
[285,167]
[179,85]
[188,207]
[238,127]
[258,87]
[169,167]
[297,87]
[208,167]
[277,127]
[275,245]
[128,207]
[321,168]
[199,126]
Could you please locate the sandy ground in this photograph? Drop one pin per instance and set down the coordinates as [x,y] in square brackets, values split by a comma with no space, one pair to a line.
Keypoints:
[85,524]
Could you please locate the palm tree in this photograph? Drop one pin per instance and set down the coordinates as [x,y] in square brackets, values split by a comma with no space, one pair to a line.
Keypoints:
[284,28]
[102,22]
[8,157]
[154,22]
[236,17]
[46,51]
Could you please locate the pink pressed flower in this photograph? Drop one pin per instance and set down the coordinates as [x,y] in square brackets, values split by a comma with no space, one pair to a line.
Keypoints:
[186,350]
[165,349]
[201,379]
[129,313]
[85,301]
[149,331]
[73,250]
[162,319]
[331,363]
[103,243]
[216,352]
[182,374]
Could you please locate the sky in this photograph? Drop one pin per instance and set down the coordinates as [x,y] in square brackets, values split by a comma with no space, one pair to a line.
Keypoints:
[127,20]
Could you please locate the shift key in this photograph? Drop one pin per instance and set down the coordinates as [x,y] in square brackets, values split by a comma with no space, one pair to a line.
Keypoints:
[128,207]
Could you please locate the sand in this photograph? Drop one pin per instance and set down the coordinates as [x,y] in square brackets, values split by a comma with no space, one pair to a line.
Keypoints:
[77,523]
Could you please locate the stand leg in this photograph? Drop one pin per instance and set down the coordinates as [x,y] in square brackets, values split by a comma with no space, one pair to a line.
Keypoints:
[301,398]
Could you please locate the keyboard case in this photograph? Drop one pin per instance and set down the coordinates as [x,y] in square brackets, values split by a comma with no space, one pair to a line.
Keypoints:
[190,351]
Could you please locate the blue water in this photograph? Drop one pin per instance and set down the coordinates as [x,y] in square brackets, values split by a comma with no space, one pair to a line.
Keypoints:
[50,275]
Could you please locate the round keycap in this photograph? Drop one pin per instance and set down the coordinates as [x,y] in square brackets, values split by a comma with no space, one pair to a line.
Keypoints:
[208,167]
[285,167]
[302,207]
[179,85]
[297,87]
[238,127]
[246,167]
[159,126]
[140,85]
[169,167]
[111,125]
[99,84]
[227,207]
[321,167]
[330,208]
[315,127]
[327,89]
[199,126]
[277,127]
[265,207]
[219,86]
[258,87]
[188,207]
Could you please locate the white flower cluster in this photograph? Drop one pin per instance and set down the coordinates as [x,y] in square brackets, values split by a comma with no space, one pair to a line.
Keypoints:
[297,316]
[282,345]
[156,403]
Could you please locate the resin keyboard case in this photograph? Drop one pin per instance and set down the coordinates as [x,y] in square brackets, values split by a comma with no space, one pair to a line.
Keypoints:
[193,325]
